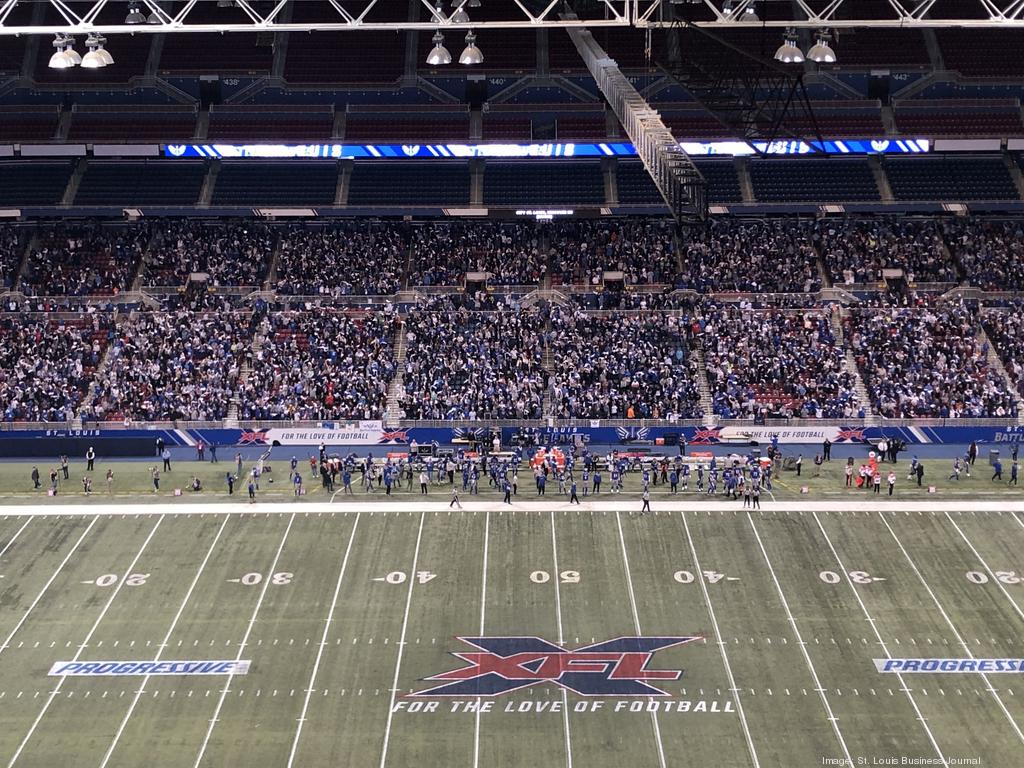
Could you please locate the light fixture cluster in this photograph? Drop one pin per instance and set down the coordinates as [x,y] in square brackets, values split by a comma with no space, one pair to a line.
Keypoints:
[65,56]
[136,16]
[471,54]
[821,52]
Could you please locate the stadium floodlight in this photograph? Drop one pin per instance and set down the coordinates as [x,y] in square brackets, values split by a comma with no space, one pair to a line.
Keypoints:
[60,58]
[135,16]
[69,50]
[460,16]
[730,9]
[821,52]
[97,56]
[473,4]
[439,55]
[788,52]
[471,55]
[153,18]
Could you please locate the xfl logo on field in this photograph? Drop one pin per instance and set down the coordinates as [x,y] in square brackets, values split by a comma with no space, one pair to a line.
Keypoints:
[612,668]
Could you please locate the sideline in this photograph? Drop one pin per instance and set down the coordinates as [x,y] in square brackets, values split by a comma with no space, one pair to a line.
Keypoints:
[721,506]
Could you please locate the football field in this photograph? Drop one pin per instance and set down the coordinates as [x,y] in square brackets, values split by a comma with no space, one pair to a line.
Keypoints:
[767,635]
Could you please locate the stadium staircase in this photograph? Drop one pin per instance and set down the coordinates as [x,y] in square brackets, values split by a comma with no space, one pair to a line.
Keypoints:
[32,245]
[1015,174]
[707,405]
[275,260]
[996,364]
[259,336]
[395,388]
[97,375]
[74,182]
[209,183]
[548,364]
[136,284]
[884,190]
[838,319]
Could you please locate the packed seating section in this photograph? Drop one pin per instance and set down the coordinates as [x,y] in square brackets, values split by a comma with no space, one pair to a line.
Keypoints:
[639,348]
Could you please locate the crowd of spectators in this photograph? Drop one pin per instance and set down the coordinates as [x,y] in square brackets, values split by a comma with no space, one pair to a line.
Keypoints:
[229,254]
[363,259]
[85,261]
[617,366]
[927,361]
[749,257]
[10,256]
[857,251]
[46,364]
[321,365]
[583,251]
[990,252]
[1006,332]
[173,365]
[473,365]
[776,364]
[444,253]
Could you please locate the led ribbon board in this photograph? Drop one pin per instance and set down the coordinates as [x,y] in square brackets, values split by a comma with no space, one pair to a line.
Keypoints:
[527,151]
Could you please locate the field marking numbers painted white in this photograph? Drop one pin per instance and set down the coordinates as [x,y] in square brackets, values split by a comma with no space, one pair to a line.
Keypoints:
[85,643]
[956,632]
[323,643]
[163,644]
[401,643]
[878,635]
[639,632]
[244,643]
[803,646]
[721,647]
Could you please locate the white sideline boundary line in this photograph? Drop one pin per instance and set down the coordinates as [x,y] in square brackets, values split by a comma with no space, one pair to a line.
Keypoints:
[320,648]
[46,586]
[803,646]
[981,559]
[245,640]
[163,644]
[561,641]
[721,646]
[401,643]
[85,643]
[956,632]
[483,609]
[796,506]
[639,632]
[885,648]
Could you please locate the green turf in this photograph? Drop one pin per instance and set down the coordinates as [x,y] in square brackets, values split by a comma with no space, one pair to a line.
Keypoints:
[132,483]
[573,577]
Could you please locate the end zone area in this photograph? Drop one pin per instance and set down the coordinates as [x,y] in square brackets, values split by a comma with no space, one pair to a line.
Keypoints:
[819,633]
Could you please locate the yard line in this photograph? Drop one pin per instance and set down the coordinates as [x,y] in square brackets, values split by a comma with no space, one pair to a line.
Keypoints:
[46,586]
[483,609]
[992,575]
[160,650]
[803,647]
[401,642]
[721,645]
[245,639]
[14,538]
[636,626]
[956,633]
[885,649]
[323,643]
[88,637]
[561,641]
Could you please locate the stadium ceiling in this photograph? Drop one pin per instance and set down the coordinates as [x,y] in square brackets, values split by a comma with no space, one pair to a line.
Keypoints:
[113,17]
